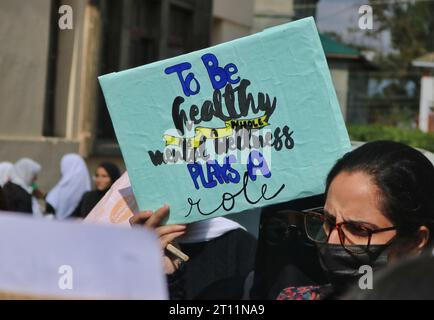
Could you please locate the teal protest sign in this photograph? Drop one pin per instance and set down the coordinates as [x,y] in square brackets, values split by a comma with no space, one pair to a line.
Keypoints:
[244,124]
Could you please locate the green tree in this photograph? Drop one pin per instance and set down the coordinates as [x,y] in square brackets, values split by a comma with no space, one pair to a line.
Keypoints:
[411,27]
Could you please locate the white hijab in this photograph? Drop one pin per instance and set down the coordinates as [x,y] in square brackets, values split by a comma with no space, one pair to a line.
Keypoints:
[23,173]
[74,182]
[6,169]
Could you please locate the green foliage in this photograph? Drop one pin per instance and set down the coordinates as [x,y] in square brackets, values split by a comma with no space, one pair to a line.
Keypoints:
[411,26]
[412,137]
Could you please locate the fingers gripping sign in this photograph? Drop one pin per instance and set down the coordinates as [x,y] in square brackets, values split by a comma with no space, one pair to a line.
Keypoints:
[167,234]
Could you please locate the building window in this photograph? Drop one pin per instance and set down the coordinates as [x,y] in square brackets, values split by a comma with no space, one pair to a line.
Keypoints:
[304,8]
[180,24]
[48,124]
[138,32]
[144,32]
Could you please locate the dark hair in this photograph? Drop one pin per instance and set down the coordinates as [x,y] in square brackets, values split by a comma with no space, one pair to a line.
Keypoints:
[404,176]
[112,170]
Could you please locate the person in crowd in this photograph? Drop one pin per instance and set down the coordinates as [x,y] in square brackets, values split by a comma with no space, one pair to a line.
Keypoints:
[5,172]
[65,197]
[19,189]
[221,251]
[379,209]
[105,175]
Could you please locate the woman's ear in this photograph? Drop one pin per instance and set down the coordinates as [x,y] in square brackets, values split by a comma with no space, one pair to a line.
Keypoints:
[422,238]
[411,246]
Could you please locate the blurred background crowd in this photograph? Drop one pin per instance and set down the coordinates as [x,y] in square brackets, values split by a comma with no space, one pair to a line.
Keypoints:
[52,105]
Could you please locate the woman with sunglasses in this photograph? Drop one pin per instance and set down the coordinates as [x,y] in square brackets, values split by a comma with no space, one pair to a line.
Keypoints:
[379,208]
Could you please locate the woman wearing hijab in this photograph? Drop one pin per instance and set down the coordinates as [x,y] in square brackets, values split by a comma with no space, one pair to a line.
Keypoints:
[105,175]
[3,201]
[18,190]
[64,198]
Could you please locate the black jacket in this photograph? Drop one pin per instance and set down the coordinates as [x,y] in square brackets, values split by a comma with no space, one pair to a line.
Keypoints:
[18,199]
[87,203]
[217,269]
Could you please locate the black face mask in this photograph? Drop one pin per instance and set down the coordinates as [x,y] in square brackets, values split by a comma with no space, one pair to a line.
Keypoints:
[342,267]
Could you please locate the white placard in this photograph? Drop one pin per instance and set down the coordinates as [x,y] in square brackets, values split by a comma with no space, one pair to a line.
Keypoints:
[75,260]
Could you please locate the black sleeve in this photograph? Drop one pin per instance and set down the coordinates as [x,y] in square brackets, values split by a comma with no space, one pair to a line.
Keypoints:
[83,209]
[3,201]
[175,282]
[78,212]
[228,259]
[24,204]
[49,209]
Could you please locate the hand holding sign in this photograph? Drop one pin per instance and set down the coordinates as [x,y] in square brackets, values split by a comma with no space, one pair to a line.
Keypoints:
[244,124]
[167,234]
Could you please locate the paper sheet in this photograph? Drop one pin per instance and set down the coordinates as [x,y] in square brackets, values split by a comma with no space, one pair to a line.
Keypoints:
[72,260]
